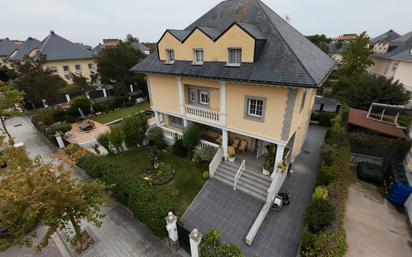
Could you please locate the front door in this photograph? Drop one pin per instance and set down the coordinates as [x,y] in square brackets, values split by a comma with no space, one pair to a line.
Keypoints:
[261,148]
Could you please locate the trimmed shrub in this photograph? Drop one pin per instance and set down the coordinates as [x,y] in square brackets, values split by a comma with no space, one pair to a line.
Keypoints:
[134,130]
[327,175]
[104,141]
[116,138]
[211,246]
[328,243]
[72,149]
[319,215]
[62,127]
[45,116]
[204,154]
[155,138]
[179,149]
[81,102]
[191,138]
[205,175]
[321,192]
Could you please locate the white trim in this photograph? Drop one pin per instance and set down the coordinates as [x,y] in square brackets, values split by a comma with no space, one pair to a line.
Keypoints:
[223,96]
[203,92]
[181,96]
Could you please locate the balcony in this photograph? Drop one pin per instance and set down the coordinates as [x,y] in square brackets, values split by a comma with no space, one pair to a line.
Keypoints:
[202,114]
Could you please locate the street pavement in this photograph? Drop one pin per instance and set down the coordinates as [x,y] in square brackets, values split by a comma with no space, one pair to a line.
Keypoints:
[120,235]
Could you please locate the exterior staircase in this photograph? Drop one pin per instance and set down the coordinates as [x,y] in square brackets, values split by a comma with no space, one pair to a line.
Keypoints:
[252,182]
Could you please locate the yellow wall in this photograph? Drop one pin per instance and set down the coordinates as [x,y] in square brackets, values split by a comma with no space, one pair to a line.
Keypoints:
[276,100]
[85,71]
[404,74]
[235,37]
[164,93]
[212,86]
[379,67]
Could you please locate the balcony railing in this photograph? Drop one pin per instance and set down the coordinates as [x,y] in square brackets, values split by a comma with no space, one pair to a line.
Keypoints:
[170,134]
[202,114]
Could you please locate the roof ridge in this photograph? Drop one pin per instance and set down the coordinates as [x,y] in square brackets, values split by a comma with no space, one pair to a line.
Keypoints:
[284,40]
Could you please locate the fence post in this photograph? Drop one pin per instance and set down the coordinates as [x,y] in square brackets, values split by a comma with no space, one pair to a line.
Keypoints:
[171,228]
[67,98]
[195,239]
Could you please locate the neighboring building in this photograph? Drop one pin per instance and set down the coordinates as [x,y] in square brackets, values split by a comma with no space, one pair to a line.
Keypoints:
[6,48]
[336,49]
[345,38]
[114,42]
[141,47]
[393,57]
[24,50]
[244,74]
[326,104]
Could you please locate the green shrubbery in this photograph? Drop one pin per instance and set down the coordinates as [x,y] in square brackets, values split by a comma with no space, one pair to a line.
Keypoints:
[147,204]
[155,138]
[204,154]
[178,148]
[109,105]
[211,246]
[324,118]
[191,138]
[324,234]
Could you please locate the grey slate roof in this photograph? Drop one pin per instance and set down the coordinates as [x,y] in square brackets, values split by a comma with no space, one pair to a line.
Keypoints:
[384,38]
[338,47]
[404,56]
[326,100]
[7,47]
[57,48]
[25,49]
[398,48]
[139,46]
[286,58]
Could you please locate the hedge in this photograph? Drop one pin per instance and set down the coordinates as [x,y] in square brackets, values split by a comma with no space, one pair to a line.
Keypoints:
[324,118]
[328,239]
[146,204]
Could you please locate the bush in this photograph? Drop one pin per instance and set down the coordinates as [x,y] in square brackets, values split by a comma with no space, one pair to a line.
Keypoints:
[116,138]
[134,130]
[321,192]
[211,246]
[81,102]
[45,116]
[191,138]
[319,215]
[155,138]
[108,105]
[324,118]
[72,149]
[204,154]
[327,175]
[61,127]
[179,149]
[328,243]
[104,141]
[147,204]
[205,175]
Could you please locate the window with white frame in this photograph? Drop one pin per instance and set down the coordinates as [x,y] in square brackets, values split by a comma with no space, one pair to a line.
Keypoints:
[78,67]
[175,122]
[302,104]
[192,95]
[91,66]
[66,68]
[199,56]
[204,97]
[255,108]
[53,69]
[235,56]
[170,55]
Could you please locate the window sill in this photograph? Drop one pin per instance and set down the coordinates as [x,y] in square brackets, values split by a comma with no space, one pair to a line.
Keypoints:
[197,63]
[233,65]
[169,63]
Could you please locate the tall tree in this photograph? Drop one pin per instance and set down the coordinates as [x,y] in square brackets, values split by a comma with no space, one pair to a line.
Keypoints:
[37,82]
[7,74]
[81,82]
[10,103]
[320,41]
[32,193]
[373,89]
[114,65]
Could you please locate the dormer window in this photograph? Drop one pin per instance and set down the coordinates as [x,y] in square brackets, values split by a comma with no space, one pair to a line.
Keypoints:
[198,56]
[235,57]
[170,55]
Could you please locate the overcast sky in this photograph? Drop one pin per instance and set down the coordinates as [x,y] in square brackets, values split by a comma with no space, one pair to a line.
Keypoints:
[89,21]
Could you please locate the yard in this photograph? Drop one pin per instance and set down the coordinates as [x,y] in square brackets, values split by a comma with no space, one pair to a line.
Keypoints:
[121,113]
[183,188]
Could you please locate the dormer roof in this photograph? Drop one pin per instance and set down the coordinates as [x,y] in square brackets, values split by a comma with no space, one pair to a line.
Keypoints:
[7,47]
[25,49]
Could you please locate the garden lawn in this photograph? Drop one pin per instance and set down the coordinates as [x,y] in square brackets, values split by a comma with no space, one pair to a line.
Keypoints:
[121,113]
[185,185]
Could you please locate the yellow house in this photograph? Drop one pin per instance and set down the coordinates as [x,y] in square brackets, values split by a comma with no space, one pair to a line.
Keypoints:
[393,57]
[248,79]
[64,58]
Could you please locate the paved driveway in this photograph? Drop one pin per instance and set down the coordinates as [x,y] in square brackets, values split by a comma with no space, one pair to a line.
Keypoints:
[120,235]
[232,212]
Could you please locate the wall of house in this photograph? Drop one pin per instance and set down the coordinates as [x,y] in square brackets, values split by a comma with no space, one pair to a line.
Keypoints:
[213,51]
[164,93]
[379,67]
[404,74]
[85,71]
[213,87]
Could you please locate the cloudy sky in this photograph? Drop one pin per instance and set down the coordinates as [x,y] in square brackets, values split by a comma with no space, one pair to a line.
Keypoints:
[89,21]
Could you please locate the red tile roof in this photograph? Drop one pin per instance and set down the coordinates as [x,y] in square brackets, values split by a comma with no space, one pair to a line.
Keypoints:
[359,118]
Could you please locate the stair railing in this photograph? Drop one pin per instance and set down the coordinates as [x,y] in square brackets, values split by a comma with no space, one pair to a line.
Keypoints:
[239,174]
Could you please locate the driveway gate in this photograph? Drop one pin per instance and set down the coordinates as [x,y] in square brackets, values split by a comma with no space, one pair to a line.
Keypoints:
[183,234]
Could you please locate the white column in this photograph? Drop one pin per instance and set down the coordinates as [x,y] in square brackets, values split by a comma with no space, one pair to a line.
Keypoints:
[157,117]
[223,103]
[225,142]
[185,123]
[104,92]
[172,230]
[59,140]
[131,88]
[280,149]
[181,96]
[67,97]
[195,239]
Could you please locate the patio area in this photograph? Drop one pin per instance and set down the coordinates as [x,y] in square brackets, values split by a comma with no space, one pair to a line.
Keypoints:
[232,213]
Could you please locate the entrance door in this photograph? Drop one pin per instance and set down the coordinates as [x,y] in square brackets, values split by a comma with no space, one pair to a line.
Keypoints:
[261,148]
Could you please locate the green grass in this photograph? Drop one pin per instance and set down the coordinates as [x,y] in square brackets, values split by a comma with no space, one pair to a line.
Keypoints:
[121,113]
[185,185]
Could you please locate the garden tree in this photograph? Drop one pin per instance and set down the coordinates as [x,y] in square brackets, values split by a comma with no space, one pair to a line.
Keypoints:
[37,82]
[82,83]
[32,192]
[10,101]
[116,138]
[81,103]
[134,130]
[370,89]
[191,138]
[114,65]
[104,141]
[355,61]
[7,74]
[320,41]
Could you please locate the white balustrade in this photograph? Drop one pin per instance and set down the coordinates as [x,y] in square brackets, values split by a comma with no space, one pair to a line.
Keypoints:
[214,164]
[239,174]
[204,144]
[202,114]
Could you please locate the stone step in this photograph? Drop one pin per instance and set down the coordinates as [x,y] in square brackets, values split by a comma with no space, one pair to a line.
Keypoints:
[254,171]
[252,175]
[228,181]
[246,179]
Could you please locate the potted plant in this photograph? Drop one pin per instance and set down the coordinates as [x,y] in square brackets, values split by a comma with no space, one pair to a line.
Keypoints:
[270,160]
[231,152]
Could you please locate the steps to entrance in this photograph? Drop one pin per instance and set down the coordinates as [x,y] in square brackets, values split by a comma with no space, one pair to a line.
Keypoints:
[251,181]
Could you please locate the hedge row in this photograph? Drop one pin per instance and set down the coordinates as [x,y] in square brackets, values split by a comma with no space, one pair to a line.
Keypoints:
[324,118]
[146,204]
[324,234]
